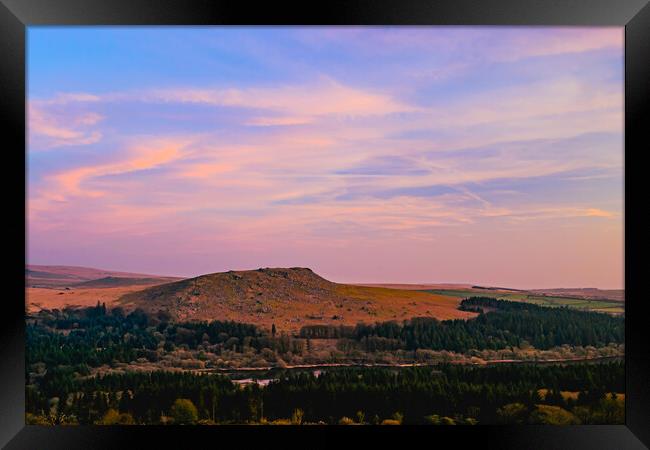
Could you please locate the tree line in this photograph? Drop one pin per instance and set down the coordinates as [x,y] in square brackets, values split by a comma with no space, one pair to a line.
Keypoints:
[445,394]
[91,337]
[500,324]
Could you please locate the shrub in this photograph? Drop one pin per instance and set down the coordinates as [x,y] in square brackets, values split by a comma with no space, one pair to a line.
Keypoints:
[433,419]
[512,413]
[206,422]
[113,417]
[390,422]
[296,417]
[553,415]
[184,412]
[281,422]
[33,419]
[447,421]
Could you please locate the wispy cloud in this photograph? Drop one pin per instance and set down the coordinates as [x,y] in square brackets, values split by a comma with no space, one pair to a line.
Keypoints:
[396,148]
[147,155]
[47,129]
[326,97]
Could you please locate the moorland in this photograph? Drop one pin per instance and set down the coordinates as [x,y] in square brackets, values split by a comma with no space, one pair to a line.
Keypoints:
[277,345]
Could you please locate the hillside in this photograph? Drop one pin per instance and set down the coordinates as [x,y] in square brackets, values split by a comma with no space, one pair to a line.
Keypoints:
[68,276]
[585,293]
[111,282]
[52,287]
[417,286]
[51,298]
[288,298]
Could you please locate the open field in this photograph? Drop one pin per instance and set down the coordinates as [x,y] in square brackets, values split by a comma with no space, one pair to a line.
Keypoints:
[398,302]
[610,301]
[608,306]
[417,286]
[586,293]
[50,298]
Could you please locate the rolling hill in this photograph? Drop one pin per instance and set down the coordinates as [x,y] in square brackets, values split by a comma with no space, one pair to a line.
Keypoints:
[52,287]
[584,293]
[287,297]
[67,276]
[111,282]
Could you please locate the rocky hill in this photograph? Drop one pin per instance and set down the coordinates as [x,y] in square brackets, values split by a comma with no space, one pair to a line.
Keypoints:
[287,297]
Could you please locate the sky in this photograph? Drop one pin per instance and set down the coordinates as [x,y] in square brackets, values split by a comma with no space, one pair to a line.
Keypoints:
[483,155]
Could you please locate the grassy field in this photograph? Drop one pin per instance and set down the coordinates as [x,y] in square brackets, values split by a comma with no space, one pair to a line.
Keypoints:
[50,298]
[612,307]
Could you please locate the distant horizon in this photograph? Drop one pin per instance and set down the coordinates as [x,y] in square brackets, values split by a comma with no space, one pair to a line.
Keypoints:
[390,154]
[491,285]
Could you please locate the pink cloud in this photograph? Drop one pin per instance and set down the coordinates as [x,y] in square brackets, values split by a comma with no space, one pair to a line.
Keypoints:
[279,121]
[287,192]
[562,41]
[300,103]
[47,129]
[508,44]
[147,155]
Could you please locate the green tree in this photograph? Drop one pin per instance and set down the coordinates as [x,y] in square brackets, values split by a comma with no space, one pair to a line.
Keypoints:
[113,417]
[433,419]
[512,413]
[184,412]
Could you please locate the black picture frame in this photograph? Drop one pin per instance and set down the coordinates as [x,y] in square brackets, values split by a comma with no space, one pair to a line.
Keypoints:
[16,15]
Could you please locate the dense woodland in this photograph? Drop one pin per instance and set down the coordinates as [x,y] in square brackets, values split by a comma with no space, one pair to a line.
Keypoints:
[458,394]
[92,337]
[65,348]
[501,324]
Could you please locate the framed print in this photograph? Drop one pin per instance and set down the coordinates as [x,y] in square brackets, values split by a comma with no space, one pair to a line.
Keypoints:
[361,220]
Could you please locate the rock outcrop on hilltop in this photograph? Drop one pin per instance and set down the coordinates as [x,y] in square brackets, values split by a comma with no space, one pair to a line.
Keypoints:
[288,297]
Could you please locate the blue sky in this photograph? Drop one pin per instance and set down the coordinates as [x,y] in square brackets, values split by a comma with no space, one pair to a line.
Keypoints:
[371,154]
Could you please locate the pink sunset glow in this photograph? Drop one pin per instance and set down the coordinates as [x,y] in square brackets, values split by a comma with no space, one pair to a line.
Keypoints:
[479,155]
